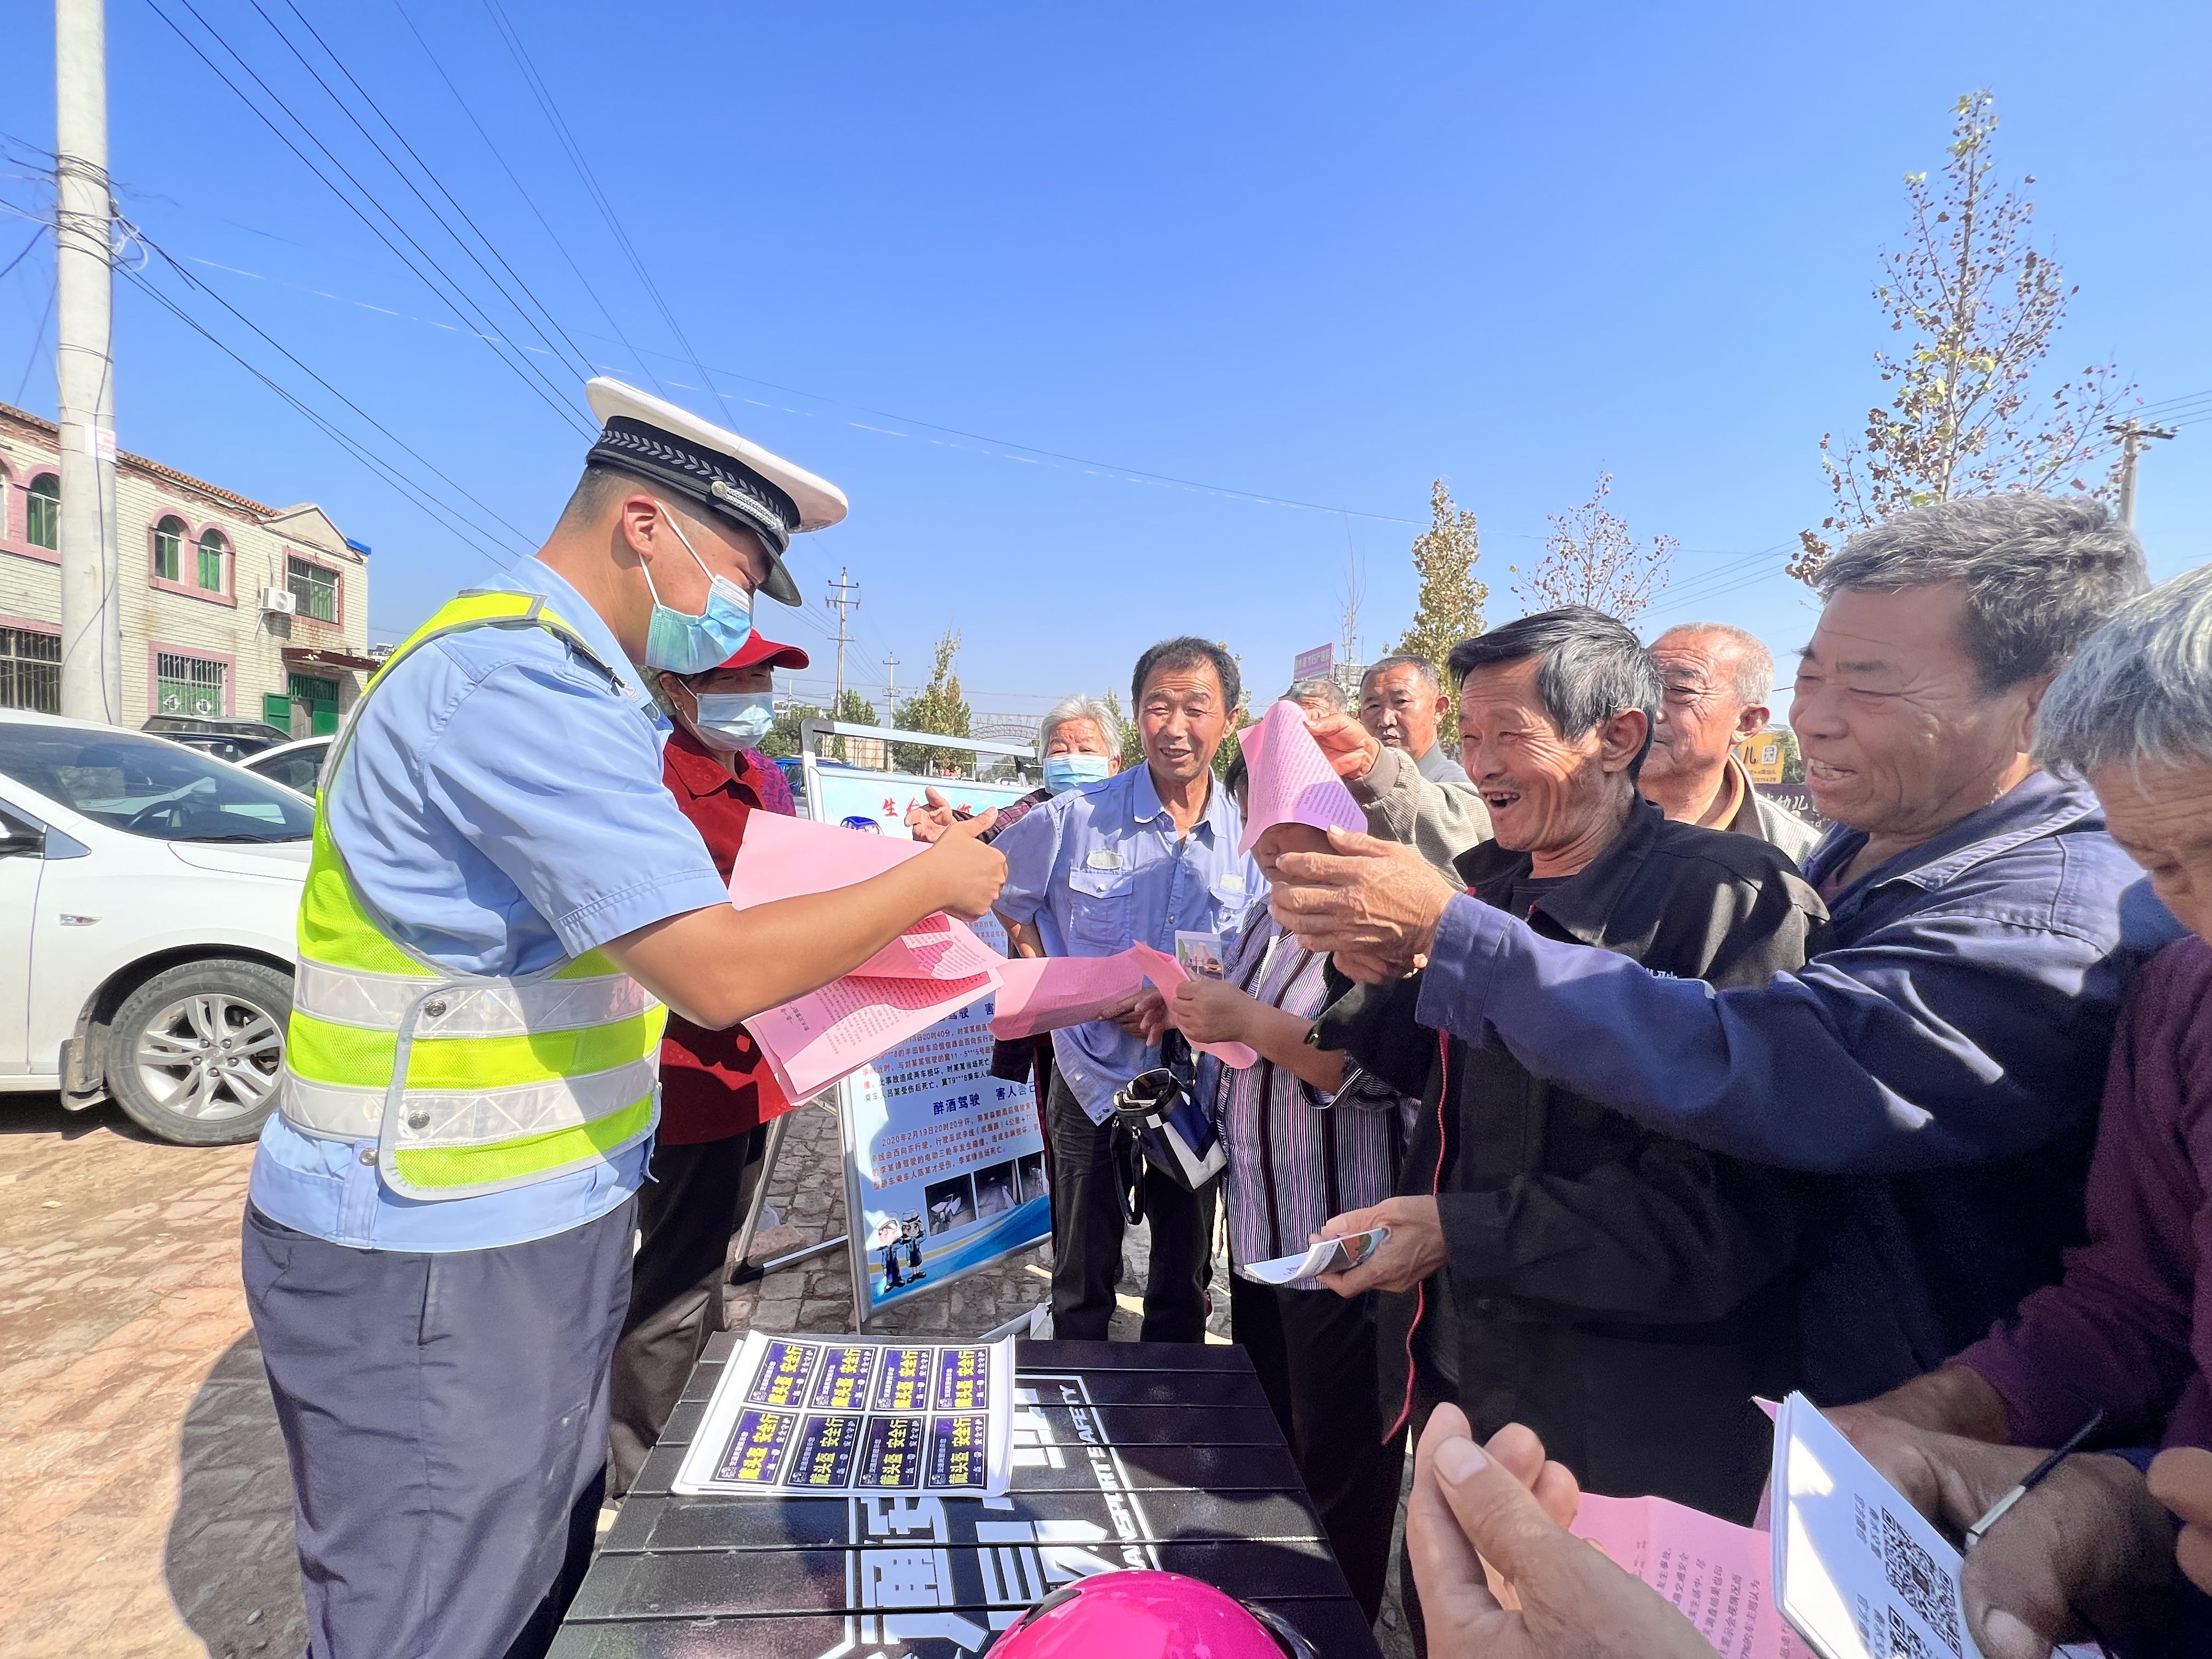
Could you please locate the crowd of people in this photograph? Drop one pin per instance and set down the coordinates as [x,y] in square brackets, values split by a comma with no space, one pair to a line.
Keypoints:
[1659,1099]
[1669,1099]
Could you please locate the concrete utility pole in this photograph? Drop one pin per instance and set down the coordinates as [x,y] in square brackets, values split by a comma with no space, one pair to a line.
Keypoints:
[890,688]
[92,598]
[2133,435]
[845,595]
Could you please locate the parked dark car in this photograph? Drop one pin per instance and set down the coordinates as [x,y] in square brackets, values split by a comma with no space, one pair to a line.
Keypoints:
[231,737]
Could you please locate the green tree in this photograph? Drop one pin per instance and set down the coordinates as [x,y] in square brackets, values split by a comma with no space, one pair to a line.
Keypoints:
[1132,745]
[1448,606]
[1978,309]
[783,738]
[939,707]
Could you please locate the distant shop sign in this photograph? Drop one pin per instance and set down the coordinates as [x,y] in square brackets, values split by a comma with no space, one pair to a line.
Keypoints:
[1314,664]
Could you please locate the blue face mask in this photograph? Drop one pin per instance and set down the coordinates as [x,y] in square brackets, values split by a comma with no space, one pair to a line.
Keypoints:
[738,719]
[1063,772]
[685,644]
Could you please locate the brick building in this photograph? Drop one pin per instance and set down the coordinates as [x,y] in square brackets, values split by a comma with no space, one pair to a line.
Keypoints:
[229,607]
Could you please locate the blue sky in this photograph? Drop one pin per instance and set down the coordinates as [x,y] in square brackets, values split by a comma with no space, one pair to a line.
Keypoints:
[985,265]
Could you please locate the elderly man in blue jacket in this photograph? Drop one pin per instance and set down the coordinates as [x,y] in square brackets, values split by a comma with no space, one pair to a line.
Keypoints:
[1943,1053]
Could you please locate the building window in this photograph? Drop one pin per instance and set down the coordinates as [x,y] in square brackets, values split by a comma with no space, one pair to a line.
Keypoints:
[42,527]
[211,552]
[188,685]
[30,670]
[315,588]
[169,549]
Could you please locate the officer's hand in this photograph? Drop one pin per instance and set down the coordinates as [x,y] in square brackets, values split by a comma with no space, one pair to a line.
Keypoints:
[1351,749]
[928,820]
[1547,1594]
[1209,1009]
[966,873]
[1414,1249]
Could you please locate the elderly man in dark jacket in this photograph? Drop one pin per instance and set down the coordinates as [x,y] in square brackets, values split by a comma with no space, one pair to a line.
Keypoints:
[1620,1292]
[1941,1051]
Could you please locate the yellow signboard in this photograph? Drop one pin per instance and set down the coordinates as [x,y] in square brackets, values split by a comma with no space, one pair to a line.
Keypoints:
[1761,754]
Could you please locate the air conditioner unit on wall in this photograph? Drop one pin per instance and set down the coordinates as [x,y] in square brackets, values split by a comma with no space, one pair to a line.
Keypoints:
[280,598]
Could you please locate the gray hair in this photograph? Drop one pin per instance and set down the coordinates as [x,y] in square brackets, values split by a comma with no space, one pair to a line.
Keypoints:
[1080,707]
[1753,680]
[1320,688]
[2041,573]
[2140,688]
[1590,666]
[1420,665]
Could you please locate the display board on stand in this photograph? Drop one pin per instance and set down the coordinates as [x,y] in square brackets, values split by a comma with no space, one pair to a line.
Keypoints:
[944,1164]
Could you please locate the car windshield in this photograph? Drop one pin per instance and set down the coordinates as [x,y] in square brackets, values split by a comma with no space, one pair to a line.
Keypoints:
[149,787]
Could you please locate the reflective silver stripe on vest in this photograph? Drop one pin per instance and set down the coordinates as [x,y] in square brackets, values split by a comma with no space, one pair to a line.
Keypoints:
[490,1007]
[467,1117]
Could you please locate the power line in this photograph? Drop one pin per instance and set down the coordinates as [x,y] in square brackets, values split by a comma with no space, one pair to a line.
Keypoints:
[551,110]
[427,172]
[521,536]
[528,200]
[457,299]
[391,475]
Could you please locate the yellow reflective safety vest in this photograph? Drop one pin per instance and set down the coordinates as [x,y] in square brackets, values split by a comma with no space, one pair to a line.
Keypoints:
[470,1084]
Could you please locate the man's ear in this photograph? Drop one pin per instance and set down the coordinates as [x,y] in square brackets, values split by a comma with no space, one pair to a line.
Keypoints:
[2030,709]
[1620,739]
[1752,720]
[637,523]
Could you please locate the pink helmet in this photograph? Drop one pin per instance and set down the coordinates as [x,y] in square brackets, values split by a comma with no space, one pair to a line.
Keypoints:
[1147,1615]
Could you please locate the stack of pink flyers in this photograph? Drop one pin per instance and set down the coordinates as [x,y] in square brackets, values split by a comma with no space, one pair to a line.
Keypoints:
[936,967]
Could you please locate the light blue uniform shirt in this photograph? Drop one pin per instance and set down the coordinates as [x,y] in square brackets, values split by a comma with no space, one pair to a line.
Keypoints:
[1100,868]
[500,803]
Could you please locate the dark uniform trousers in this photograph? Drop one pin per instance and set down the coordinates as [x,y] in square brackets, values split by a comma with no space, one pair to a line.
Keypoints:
[1314,1353]
[1087,1229]
[445,1419]
[687,1217]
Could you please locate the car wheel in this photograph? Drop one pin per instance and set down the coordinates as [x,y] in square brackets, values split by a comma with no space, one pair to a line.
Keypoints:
[195,1052]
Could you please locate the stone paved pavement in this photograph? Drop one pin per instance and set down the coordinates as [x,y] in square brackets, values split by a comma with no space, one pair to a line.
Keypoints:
[148,1509]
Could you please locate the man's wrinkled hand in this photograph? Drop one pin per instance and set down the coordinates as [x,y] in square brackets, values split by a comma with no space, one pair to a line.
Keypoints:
[1501,1578]
[1351,749]
[1148,1017]
[2089,1543]
[1414,1249]
[1369,901]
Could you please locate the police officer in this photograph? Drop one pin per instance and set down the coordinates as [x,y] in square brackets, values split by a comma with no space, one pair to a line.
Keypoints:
[502,902]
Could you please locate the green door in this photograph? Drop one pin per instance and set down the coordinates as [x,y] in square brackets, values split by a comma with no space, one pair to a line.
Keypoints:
[277,709]
[320,697]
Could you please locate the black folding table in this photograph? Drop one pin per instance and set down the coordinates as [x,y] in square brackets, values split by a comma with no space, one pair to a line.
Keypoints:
[1133,1455]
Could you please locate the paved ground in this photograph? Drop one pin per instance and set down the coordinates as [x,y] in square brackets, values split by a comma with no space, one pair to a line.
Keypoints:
[148,1510]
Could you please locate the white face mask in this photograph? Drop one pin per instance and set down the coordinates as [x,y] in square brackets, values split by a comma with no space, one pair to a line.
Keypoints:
[739,719]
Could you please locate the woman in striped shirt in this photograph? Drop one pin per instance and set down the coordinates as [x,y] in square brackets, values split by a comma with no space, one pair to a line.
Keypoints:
[1308,1136]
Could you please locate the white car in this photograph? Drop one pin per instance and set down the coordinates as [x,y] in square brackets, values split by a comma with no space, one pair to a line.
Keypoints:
[295,765]
[147,893]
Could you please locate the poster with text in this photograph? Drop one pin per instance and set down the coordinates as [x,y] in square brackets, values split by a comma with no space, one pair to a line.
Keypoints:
[944,1163]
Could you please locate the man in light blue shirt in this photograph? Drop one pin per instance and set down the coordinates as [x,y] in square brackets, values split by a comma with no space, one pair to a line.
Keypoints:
[1135,858]
[494,812]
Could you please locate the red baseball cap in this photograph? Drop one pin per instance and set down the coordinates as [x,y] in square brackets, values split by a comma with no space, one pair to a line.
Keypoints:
[758,649]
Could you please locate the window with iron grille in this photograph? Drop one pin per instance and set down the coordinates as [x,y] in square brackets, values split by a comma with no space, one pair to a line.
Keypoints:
[169,549]
[188,685]
[211,552]
[314,587]
[42,526]
[30,670]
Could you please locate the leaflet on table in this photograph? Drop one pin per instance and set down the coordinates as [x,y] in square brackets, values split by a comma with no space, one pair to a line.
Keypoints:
[1326,1255]
[818,1417]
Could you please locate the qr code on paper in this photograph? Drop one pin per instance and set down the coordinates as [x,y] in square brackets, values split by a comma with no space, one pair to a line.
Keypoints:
[1904,1642]
[1924,1586]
